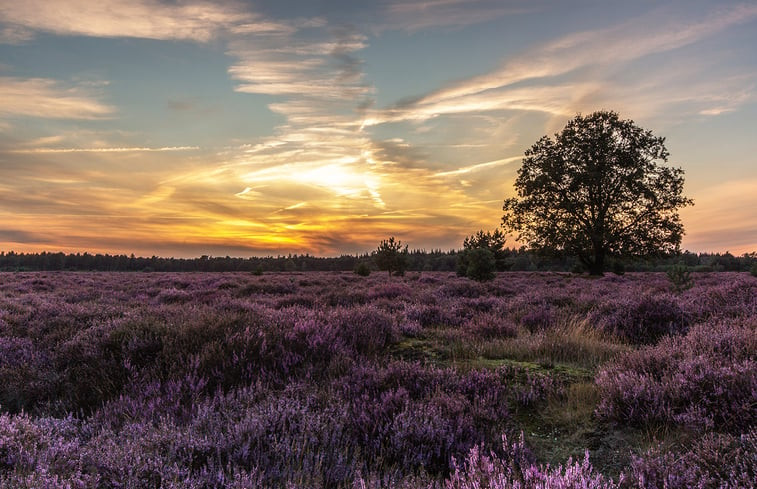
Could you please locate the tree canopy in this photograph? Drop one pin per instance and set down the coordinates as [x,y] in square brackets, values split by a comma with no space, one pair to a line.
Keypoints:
[598,189]
[493,241]
[391,256]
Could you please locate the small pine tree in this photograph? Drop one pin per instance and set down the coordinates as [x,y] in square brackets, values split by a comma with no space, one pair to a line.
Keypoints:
[680,278]
[391,256]
[494,241]
[477,264]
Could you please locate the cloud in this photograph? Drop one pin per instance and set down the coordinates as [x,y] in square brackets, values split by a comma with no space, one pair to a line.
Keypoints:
[301,64]
[551,78]
[320,183]
[40,97]
[480,166]
[22,236]
[149,19]
[105,150]
[14,34]
[419,15]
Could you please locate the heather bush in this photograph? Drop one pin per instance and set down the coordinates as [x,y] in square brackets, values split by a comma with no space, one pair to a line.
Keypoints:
[715,460]
[392,290]
[277,286]
[642,320]
[538,318]
[301,300]
[488,326]
[732,298]
[704,380]
[26,375]
[419,417]
[514,469]
[460,287]
[174,296]
[365,329]
[343,297]
[431,315]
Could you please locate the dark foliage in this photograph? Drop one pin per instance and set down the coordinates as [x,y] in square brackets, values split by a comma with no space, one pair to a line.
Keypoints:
[596,190]
[391,256]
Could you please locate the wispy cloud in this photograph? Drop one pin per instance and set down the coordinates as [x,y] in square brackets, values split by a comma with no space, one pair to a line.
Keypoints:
[301,64]
[149,19]
[479,166]
[14,34]
[40,97]
[535,80]
[425,14]
[104,150]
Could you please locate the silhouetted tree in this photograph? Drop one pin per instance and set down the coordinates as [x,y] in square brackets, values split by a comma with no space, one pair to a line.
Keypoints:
[477,264]
[493,241]
[596,190]
[391,256]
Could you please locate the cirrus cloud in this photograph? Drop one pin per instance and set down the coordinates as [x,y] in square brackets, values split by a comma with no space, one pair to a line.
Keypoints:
[148,19]
[41,97]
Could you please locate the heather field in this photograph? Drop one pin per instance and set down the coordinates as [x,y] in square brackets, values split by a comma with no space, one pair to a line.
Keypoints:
[321,380]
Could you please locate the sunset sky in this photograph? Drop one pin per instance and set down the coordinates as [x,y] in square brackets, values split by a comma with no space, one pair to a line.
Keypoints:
[189,128]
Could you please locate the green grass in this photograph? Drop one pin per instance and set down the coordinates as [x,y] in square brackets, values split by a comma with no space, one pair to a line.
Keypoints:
[571,342]
[572,352]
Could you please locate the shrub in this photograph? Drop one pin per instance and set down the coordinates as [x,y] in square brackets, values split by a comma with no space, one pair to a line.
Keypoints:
[539,317]
[428,315]
[488,326]
[477,264]
[642,320]
[715,460]
[515,469]
[390,290]
[363,269]
[364,329]
[460,288]
[26,376]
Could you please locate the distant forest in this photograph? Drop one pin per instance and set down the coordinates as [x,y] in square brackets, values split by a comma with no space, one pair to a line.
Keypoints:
[417,260]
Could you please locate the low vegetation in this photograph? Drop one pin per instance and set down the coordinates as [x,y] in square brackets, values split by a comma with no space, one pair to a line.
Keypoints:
[205,380]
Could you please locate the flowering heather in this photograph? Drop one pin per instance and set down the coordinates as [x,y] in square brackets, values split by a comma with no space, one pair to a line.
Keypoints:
[715,460]
[515,470]
[203,380]
[704,380]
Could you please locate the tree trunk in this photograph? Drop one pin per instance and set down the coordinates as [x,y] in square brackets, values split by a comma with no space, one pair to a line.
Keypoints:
[597,266]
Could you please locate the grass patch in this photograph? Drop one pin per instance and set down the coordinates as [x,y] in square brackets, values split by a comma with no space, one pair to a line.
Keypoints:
[571,342]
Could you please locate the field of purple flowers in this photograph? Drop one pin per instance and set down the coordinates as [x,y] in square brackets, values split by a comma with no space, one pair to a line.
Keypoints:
[320,380]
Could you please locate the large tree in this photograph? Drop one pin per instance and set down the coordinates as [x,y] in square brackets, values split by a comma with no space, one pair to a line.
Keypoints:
[598,189]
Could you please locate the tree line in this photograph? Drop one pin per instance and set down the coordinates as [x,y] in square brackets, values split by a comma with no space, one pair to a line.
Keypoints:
[510,259]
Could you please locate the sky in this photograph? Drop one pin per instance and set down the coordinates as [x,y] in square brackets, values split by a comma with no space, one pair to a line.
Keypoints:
[188,128]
